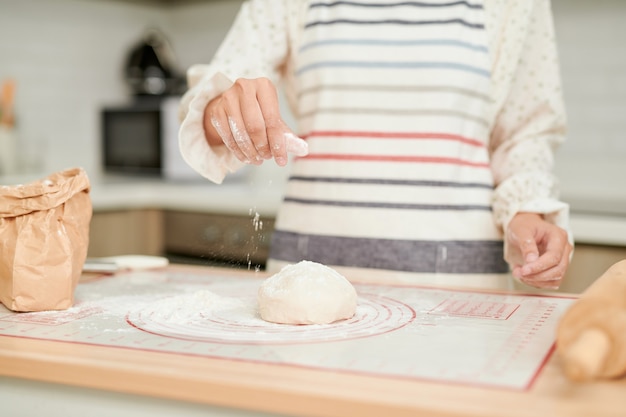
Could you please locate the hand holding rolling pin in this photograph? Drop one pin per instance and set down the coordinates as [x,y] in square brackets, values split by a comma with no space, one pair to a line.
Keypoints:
[246,119]
[591,337]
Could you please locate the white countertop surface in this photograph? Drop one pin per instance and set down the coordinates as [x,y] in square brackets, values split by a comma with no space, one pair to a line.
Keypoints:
[230,198]
[235,196]
[602,227]
[595,190]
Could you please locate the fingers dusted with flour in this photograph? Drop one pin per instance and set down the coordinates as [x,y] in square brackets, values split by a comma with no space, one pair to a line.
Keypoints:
[274,127]
[224,123]
[246,119]
[538,251]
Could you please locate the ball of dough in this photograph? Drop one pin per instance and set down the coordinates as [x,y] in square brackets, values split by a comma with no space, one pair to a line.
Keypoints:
[306,293]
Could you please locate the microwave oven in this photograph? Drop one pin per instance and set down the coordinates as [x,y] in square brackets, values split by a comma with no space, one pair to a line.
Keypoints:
[141,139]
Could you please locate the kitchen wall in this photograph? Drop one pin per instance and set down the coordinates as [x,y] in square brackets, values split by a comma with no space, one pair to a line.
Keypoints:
[592,162]
[590,35]
[67,57]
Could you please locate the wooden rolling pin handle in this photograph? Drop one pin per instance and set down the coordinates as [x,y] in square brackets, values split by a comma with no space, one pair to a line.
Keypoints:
[585,358]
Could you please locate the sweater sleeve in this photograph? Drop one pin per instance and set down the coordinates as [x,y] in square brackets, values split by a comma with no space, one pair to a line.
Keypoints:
[529,120]
[255,46]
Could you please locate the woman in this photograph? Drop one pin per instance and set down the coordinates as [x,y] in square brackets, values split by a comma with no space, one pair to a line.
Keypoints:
[430,127]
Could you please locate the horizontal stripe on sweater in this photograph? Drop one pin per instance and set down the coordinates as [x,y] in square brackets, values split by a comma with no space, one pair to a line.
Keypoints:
[389,42]
[395,89]
[395,158]
[388,181]
[464,257]
[393,135]
[461,22]
[397,4]
[390,170]
[397,65]
[375,204]
[395,112]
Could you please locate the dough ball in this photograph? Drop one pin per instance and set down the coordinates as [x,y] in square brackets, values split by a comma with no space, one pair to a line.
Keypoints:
[306,293]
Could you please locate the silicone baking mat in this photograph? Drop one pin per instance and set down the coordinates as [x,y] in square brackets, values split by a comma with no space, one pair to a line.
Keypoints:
[459,337]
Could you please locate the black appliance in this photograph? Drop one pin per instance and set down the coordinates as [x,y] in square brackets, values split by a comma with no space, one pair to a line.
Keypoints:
[151,67]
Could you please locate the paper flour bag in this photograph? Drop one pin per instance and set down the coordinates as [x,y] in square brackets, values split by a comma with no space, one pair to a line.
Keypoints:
[44,234]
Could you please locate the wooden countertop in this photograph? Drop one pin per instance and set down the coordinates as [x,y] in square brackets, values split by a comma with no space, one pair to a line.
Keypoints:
[297,391]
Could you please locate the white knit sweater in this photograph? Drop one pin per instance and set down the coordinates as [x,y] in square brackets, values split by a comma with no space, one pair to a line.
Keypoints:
[430,124]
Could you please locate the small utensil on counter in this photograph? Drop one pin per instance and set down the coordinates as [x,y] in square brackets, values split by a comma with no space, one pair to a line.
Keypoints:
[113,264]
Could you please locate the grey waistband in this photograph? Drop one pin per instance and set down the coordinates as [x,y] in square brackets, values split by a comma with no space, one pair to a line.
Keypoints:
[453,257]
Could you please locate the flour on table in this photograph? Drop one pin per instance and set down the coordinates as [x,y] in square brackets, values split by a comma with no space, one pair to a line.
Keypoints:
[306,293]
[186,308]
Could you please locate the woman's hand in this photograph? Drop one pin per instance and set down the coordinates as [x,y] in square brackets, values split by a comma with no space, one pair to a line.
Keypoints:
[538,251]
[246,118]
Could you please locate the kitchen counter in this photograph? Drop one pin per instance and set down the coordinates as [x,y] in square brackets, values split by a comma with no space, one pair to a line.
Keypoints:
[594,190]
[240,198]
[234,197]
[599,218]
[63,377]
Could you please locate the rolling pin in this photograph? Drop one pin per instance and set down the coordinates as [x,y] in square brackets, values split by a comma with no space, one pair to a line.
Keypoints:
[591,335]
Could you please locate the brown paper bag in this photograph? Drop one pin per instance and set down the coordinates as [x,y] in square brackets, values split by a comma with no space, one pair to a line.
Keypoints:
[44,234]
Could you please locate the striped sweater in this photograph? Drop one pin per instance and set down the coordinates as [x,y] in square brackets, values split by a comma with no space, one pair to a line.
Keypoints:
[407,172]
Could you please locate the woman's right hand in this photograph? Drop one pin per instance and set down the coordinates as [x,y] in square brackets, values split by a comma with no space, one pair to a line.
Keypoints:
[246,119]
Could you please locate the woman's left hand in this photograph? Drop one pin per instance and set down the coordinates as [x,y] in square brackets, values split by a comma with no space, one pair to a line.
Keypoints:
[538,251]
